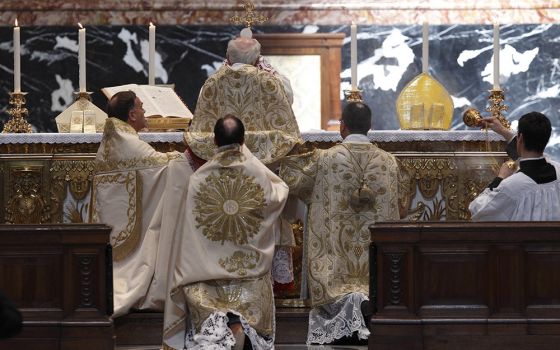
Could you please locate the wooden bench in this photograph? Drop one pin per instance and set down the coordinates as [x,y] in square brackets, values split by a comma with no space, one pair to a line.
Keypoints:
[462,285]
[59,278]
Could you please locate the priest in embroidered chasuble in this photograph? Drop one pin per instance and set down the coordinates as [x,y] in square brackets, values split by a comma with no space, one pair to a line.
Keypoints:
[347,188]
[255,93]
[222,259]
[257,98]
[128,194]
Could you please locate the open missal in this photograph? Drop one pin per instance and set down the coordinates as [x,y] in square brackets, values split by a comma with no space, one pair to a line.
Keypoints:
[164,109]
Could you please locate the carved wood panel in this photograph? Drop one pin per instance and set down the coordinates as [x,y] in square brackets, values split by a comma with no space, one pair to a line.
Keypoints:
[27,271]
[454,276]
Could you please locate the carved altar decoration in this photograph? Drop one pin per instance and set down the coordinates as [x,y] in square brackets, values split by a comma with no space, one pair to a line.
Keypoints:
[71,188]
[26,195]
[47,178]
[441,188]
[81,117]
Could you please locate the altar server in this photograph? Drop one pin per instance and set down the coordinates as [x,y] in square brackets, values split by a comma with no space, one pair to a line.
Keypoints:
[531,193]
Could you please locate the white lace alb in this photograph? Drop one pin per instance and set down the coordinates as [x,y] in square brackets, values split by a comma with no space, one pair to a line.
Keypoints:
[216,335]
[336,320]
[282,265]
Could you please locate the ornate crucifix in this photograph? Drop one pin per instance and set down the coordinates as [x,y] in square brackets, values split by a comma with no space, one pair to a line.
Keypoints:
[250,18]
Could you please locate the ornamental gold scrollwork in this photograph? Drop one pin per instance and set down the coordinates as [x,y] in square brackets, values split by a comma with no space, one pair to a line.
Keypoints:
[73,176]
[428,175]
[27,203]
[475,180]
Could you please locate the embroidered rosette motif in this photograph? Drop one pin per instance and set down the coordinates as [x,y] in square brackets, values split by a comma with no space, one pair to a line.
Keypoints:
[229,206]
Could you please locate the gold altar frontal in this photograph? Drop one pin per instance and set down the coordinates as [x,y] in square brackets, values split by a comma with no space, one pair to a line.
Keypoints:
[46,178]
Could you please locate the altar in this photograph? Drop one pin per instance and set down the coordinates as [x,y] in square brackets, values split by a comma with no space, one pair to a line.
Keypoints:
[46,177]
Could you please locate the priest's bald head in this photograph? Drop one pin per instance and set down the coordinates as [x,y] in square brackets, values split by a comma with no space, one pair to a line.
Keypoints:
[229,130]
[243,50]
[356,119]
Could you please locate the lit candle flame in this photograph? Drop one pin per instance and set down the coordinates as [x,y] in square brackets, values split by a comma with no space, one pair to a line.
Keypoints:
[80,25]
[151,24]
[16,23]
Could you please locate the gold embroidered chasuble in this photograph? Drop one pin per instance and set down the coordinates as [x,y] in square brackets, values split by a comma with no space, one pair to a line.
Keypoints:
[338,235]
[255,96]
[128,194]
[223,254]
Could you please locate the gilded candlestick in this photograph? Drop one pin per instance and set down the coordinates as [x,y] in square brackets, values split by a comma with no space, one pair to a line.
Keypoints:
[18,114]
[496,107]
[473,118]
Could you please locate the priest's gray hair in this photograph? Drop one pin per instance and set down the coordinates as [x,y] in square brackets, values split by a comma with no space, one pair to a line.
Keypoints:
[243,50]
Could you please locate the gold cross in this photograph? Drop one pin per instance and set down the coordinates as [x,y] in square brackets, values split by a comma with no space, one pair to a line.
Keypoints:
[250,18]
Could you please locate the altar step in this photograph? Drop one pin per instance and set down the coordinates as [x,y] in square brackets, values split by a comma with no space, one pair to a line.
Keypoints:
[276,347]
[145,328]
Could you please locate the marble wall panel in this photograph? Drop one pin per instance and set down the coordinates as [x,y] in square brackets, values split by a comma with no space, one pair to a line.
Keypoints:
[388,56]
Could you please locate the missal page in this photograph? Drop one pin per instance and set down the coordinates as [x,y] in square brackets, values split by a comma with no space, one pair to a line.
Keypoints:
[110,91]
[166,101]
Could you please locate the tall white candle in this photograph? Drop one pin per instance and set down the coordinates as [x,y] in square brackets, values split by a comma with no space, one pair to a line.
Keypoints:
[82,56]
[354,56]
[152,55]
[425,47]
[496,56]
[17,56]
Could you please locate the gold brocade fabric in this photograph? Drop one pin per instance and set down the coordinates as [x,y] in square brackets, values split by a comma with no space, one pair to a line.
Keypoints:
[250,297]
[121,154]
[339,238]
[128,194]
[224,244]
[258,99]
[424,104]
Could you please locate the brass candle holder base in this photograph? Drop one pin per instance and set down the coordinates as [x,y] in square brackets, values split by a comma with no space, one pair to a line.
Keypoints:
[84,96]
[473,118]
[353,95]
[18,114]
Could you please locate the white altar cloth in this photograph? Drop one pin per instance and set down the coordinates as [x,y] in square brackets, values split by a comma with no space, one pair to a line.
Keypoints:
[311,136]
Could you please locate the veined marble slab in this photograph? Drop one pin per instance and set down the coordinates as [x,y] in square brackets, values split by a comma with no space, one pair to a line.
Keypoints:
[389,57]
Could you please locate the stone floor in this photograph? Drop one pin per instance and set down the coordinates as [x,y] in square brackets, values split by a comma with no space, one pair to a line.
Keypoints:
[277,347]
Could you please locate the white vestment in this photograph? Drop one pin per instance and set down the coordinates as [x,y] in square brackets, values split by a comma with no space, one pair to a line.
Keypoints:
[128,194]
[338,227]
[223,253]
[519,198]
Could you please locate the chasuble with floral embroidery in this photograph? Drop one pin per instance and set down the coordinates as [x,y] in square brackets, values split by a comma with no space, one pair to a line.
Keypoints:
[223,256]
[127,194]
[347,188]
